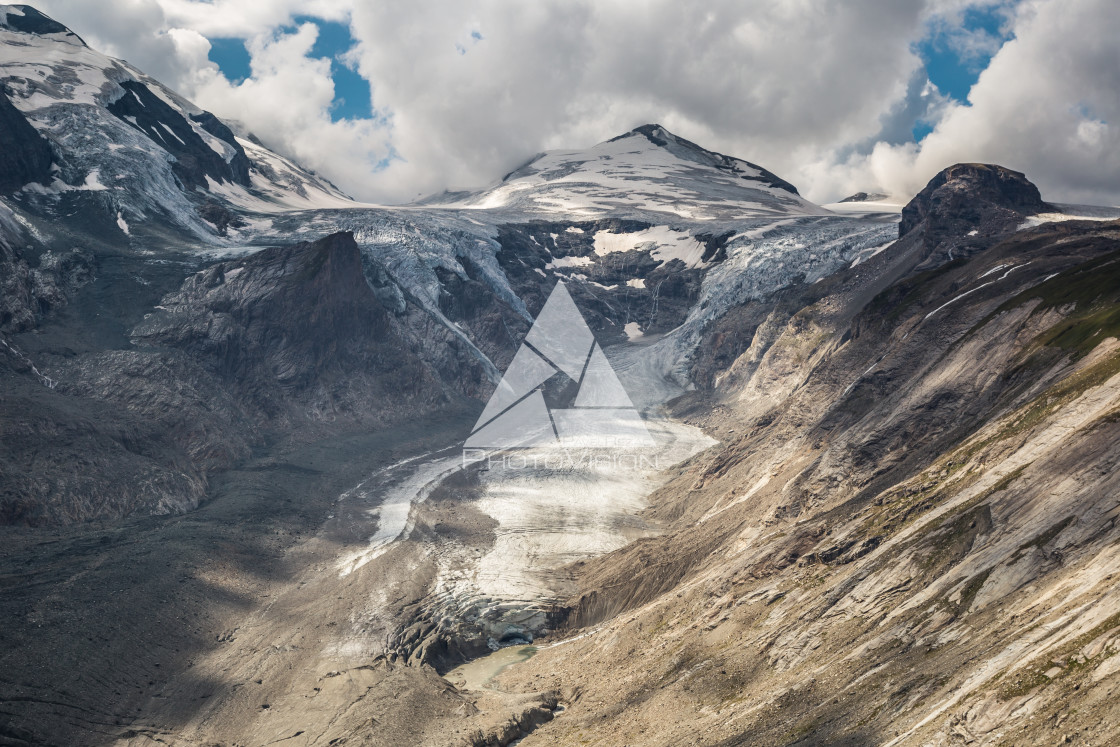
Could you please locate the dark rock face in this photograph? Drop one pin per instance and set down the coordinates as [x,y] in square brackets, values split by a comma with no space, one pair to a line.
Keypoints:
[239,165]
[972,195]
[194,159]
[27,294]
[220,217]
[658,135]
[658,303]
[24,155]
[296,333]
[31,21]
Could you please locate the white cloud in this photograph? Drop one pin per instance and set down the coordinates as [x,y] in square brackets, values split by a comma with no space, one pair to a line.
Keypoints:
[286,102]
[237,18]
[820,91]
[1046,105]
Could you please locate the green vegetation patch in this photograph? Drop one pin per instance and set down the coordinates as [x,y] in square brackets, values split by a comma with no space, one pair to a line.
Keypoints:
[1093,289]
[1034,674]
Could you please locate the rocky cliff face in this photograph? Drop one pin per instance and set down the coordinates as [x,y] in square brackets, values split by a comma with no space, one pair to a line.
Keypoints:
[296,328]
[286,343]
[27,294]
[25,156]
[971,200]
[194,160]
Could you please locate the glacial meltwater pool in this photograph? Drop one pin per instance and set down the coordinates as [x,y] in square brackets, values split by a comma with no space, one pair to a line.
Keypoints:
[477,674]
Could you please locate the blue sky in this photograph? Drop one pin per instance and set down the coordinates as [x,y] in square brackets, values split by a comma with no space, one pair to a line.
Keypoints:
[352,98]
[954,58]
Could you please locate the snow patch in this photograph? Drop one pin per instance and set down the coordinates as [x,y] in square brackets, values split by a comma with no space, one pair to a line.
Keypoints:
[664,244]
[997,268]
[1071,212]
[878,206]
[957,298]
[569,262]
[393,513]
[171,132]
[92,182]
[867,254]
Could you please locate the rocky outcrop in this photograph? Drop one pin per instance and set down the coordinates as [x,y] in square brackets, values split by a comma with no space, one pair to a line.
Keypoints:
[864,197]
[971,196]
[28,294]
[25,156]
[239,162]
[220,217]
[194,160]
[296,333]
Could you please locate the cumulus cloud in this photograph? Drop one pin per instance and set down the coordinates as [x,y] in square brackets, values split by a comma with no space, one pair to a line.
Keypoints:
[1046,105]
[286,102]
[823,92]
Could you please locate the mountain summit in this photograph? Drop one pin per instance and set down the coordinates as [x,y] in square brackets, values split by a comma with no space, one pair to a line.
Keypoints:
[97,132]
[28,20]
[647,170]
[969,195]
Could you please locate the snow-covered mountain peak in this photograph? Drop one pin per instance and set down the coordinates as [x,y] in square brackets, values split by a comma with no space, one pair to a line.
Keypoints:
[647,170]
[28,20]
[689,151]
[132,148]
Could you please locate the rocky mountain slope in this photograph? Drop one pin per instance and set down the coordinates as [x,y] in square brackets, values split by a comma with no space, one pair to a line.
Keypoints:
[232,404]
[909,534]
